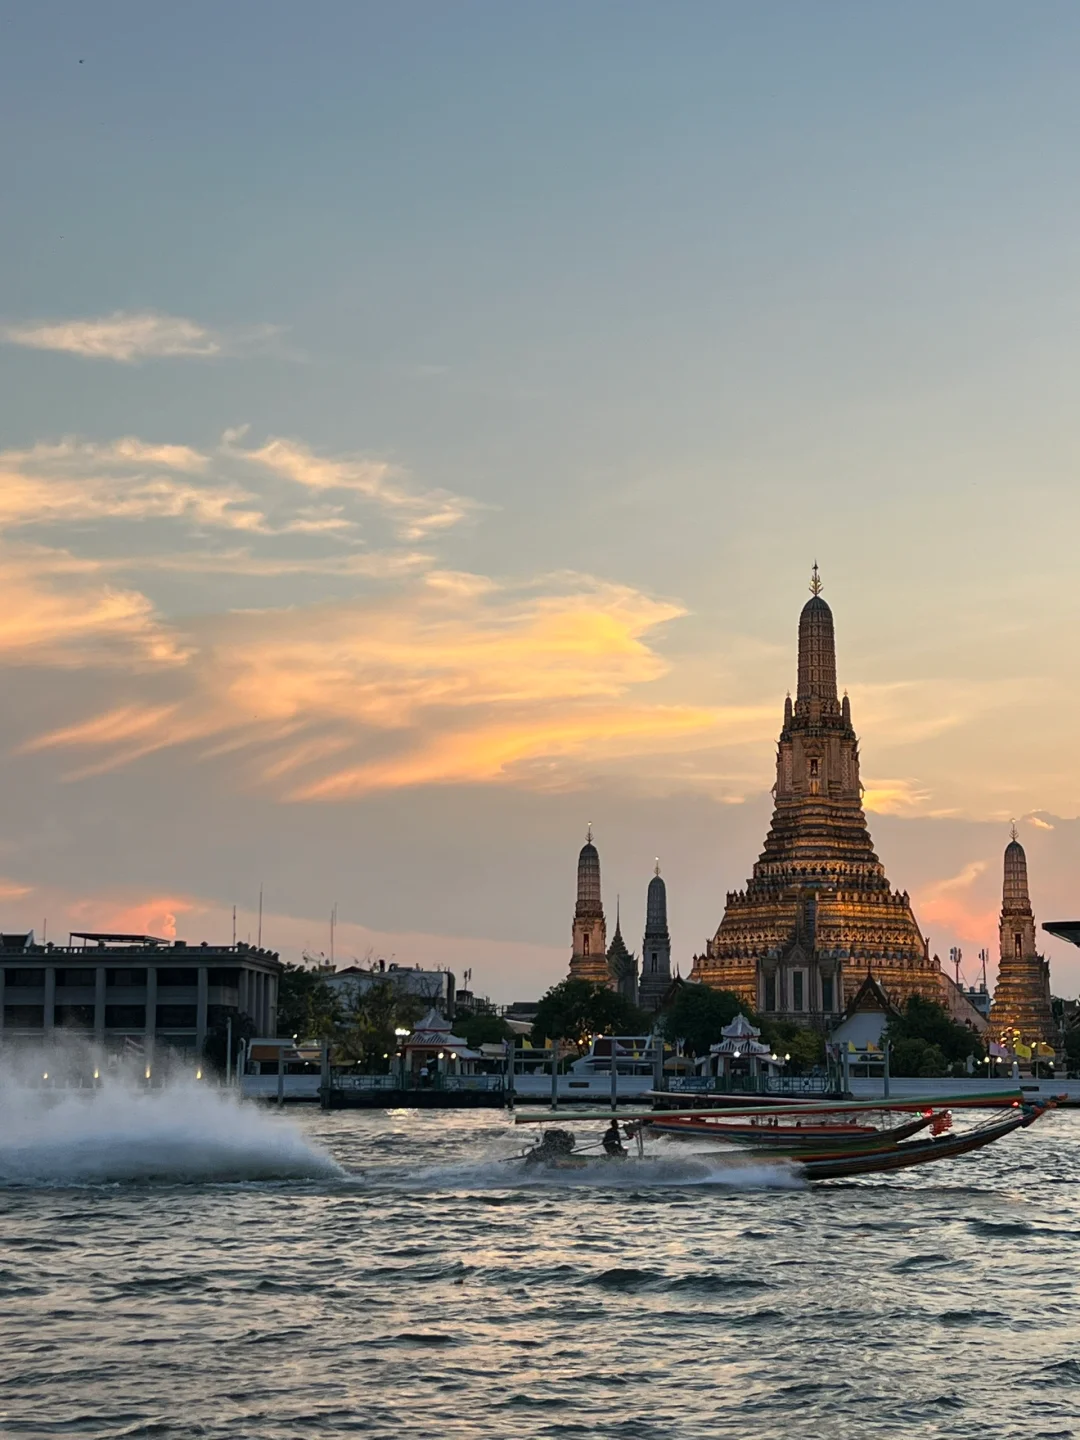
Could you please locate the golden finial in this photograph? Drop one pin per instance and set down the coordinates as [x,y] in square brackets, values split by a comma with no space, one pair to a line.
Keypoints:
[657,870]
[815,581]
[588,833]
[1014,834]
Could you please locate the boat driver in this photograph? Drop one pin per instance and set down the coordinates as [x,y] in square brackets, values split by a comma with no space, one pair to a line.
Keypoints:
[612,1141]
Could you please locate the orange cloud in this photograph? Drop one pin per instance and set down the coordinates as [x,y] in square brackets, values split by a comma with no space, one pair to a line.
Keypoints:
[456,679]
[66,616]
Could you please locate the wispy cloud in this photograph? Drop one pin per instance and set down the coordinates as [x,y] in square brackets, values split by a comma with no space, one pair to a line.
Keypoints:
[130,336]
[416,513]
[277,489]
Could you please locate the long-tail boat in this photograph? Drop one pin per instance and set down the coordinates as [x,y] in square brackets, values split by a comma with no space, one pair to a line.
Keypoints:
[832,1162]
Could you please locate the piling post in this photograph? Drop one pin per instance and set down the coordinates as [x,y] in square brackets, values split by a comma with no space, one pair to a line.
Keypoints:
[554,1072]
[228,1050]
[888,1051]
[281,1075]
[508,1077]
[324,1075]
[658,1059]
[614,1076]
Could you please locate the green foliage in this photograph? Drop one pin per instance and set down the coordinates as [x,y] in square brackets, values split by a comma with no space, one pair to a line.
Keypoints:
[483,1029]
[217,1034]
[368,1018]
[1072,1049]
[575,1010]
[914,1056]
[926,1021]
[307,1006]
[698,1015]
[806,1047]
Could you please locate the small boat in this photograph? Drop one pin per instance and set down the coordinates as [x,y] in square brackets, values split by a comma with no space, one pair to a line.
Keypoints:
[800,1135]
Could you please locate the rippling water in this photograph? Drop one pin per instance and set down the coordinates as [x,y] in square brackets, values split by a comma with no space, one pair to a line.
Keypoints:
[397,1279]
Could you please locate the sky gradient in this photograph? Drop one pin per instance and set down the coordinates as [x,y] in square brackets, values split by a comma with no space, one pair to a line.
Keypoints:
[419,421]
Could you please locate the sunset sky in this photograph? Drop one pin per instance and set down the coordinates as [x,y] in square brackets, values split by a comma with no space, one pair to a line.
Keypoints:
[419,422]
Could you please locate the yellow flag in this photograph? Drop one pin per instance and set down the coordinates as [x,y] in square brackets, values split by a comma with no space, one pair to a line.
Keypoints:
[851,1047]
[1023,1051]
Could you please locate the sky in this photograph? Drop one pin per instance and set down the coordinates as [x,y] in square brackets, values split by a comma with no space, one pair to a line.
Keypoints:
[418,422]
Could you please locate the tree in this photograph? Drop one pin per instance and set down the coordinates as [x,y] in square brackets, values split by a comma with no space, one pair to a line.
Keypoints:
[307,1006]
[914,1056]
[576,1010]
[928,1022]
[805,1046]
[699,1013]
[216,1044]
[1072,1049]
[483,1029]
[370,1014]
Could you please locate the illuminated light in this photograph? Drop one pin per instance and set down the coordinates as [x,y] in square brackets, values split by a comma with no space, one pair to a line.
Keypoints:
[45,1076]
[97,1075]
[198,1074]
[787,1057]
[148,1072]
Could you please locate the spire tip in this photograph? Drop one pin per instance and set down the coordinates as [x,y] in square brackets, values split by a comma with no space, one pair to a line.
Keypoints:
[815,580]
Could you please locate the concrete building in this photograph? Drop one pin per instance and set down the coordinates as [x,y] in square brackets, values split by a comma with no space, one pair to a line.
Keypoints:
[119,990]
[436,987]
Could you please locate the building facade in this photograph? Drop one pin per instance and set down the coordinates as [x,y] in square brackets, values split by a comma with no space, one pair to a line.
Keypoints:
[118,990]
[655,946]
[818,913]
[1021,1008]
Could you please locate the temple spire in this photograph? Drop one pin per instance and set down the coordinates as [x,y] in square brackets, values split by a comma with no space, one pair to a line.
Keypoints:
[817,651]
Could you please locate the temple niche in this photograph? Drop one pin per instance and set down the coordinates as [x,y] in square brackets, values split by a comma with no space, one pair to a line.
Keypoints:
[818,913]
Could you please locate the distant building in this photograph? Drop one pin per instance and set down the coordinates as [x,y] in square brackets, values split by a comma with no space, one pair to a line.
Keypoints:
[436,987]
[1021,1010]
[819,911]
[865,1017]
[125,991]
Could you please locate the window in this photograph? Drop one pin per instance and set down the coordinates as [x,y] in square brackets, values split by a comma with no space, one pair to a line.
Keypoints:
[24,1017]
[797,990]
[75,1017]
[584,944]
[826,992]
[75,977]
[770,993]
[229,978]
[34,978]
[1019,945]
[125,977]
[168,976]
[176,1017]
[654,962]
[125,1017]
[813,768]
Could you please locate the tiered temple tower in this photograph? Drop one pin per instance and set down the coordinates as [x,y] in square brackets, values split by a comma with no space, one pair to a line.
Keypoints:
[622,966]
[1021,1009]
[655,947]
[589,960]
[819,912]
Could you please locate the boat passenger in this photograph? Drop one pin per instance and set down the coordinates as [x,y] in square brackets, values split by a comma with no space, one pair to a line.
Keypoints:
[612,1141]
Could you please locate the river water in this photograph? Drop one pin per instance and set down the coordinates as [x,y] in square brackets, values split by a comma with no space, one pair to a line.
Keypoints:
[175,1265]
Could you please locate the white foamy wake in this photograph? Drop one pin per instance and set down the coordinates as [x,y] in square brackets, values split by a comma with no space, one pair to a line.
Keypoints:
[121,1132]
[652,1172]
